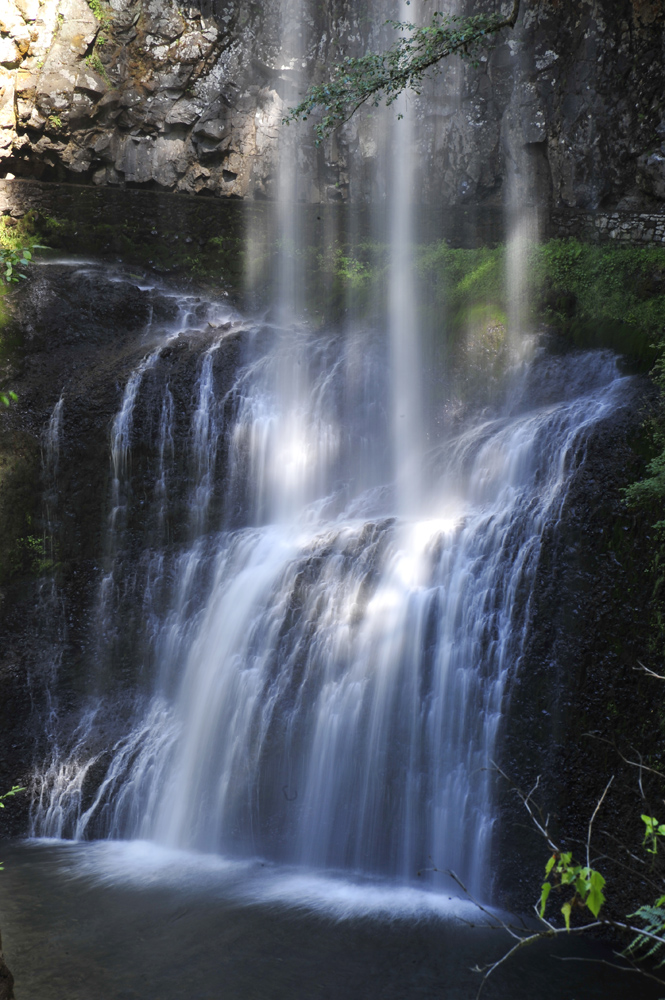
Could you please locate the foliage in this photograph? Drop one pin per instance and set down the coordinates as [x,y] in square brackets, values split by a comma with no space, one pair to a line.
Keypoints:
[377,77]
[35,549]
[649,492]
[18,239]
[587,885]
[16,246]
[93,59]
[9,795]
[99,11]
[645,927]
[588,293]
[11,260]
[94,62]
[654,830]
[622,285]
[643,946]
[15,256]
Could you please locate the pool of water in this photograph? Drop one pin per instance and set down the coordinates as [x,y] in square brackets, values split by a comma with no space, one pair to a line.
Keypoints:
[130,921]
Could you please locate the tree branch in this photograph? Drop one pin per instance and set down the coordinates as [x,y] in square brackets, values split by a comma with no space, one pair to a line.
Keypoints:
[595,812]
[377,77]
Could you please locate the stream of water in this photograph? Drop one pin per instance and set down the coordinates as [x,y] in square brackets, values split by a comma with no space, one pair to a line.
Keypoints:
[324,587]
[329,675]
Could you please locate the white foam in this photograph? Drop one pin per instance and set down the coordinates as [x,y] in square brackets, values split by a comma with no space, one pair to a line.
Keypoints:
[142,864]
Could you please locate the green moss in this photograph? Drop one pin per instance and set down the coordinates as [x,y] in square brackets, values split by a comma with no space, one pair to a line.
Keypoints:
[579,286]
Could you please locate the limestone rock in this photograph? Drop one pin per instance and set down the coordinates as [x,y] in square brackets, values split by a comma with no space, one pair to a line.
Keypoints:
[10,18]
[563,110]
[29,9]
[10,54]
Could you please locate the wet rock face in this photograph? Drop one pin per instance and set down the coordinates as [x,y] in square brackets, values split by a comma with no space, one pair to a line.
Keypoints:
[6,980]
[567,108]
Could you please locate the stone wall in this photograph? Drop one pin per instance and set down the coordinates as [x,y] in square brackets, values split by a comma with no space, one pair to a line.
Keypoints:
[624,227]
[567,109]
[153,215]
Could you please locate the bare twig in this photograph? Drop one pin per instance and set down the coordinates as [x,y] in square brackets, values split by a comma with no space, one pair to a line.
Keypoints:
[612,965]
[650,673]
[539,822]
[492,916]
[601,739]
[595,812]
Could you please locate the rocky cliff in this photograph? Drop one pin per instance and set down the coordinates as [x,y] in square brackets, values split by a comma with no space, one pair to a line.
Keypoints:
[566,110]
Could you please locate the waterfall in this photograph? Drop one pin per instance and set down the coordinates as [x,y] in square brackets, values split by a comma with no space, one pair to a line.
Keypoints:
[326,649]
[330,676]
[407,383]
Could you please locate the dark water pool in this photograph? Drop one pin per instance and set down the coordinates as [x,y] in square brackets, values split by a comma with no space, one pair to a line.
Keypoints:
[114,921]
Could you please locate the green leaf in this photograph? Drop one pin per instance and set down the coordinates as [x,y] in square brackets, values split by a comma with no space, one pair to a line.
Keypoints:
[582,887]
[565,909]
[550,864]
[546,890]
[596,898]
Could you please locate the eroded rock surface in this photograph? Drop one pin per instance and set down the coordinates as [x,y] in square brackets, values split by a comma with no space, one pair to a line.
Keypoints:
[567,109]
[6,979]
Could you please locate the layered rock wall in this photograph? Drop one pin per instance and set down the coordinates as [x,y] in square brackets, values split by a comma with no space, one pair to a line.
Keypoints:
[568,109]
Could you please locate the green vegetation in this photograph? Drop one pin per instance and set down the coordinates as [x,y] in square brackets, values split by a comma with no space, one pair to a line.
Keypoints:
[589,294]
[100,12]
[11,260]
[17,241]
[31,555]
[94,62]
[586,885]
[9,795]
[15,258]
[582,888]
[381,77]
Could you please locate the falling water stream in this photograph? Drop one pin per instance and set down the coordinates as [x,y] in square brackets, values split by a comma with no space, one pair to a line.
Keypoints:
[334,591]
[329,674]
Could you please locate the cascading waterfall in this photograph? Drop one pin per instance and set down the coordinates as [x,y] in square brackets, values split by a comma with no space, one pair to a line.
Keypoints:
[330,680]
[330,642]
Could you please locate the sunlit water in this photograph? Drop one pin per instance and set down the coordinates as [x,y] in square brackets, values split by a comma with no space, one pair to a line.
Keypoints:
[329,676]
[323,659]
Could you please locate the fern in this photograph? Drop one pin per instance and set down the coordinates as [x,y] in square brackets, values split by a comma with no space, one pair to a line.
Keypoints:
[654,921]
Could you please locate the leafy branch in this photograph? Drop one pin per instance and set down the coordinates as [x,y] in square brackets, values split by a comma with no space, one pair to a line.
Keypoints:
[382,77]
[14,790]
[645,928]
[10,794]
[10,261]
